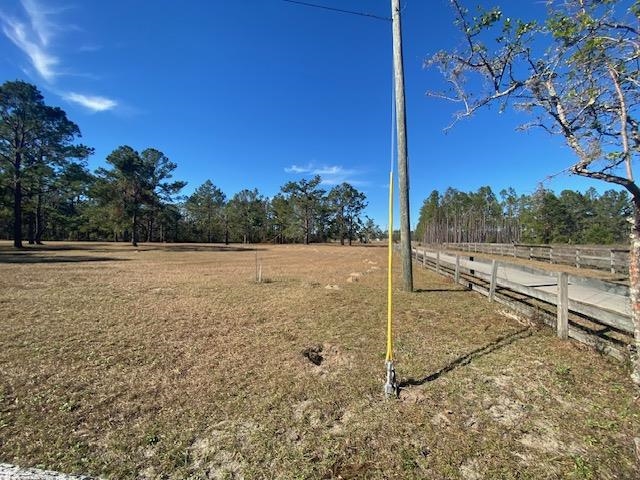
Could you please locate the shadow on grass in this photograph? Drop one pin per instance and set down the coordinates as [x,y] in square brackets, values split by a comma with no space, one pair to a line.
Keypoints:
[112,247]
[469,357]
[27,258]
[27,249]
[200,248]
[452,289]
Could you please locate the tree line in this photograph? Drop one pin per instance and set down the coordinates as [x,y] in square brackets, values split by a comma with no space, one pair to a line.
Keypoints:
[542,217]
[47,192]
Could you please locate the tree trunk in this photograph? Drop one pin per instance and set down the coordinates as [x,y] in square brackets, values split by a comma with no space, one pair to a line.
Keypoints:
[134,224]
[306,230]
[634,292]
[31,228]
[342,227]
[17,205]
[150,229]
[39,220]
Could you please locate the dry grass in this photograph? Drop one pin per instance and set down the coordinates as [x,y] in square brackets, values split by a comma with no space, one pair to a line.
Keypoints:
[171,361]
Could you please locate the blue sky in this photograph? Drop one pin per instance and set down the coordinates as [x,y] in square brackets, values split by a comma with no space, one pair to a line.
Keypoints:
[254,93]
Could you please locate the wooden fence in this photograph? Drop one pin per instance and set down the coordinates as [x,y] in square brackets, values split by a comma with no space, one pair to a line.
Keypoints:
[608,330]
[616,260]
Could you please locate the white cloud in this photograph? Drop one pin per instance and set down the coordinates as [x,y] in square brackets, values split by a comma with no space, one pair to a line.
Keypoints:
[333,170]
[298,169]
[33,36]
[92,102]
[42,61]
[330,174]
[40,24]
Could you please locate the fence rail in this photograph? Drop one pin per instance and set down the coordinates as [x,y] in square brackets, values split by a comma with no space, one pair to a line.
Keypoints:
[615,260]
[591,311]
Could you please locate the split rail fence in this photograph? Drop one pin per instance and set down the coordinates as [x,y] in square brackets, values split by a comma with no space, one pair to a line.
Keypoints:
[616,260]
[592,311]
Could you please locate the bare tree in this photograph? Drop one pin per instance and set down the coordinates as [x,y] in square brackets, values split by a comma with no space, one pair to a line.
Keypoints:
[576,75]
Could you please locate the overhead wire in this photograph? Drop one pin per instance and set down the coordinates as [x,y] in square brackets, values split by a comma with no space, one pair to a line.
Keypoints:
[339,10]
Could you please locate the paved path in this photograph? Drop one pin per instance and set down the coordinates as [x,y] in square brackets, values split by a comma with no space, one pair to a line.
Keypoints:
[589,295]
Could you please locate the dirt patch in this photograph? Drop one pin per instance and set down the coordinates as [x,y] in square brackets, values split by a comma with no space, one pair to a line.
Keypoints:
[507,411]
[470,470]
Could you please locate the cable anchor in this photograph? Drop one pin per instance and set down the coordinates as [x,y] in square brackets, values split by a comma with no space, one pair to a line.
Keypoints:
[390,387]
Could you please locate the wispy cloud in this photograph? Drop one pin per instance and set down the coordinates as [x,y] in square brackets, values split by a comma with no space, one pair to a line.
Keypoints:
[33,35]
[92,102]
[40,23]
[330,174]
[44,62]
[297,169]
[333,170]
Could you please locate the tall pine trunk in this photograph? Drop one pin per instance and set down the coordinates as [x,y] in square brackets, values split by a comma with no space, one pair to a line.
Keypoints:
[40,224]
[31,228]
[306,230]
[17,204]
[150,228]
[134,233]
[342,227]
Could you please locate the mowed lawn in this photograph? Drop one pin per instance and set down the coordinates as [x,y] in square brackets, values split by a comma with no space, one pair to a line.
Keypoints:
[171,361]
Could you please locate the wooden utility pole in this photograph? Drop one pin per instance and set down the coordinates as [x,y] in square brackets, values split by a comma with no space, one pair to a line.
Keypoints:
[401,132]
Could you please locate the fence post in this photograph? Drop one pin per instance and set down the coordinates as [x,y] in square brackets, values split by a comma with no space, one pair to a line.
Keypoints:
[613,266]
[456,275]
[494,278]
[563,306]
[472,272]
[577,258]
[530,253]
[424,258]
[437,261]
[550,254]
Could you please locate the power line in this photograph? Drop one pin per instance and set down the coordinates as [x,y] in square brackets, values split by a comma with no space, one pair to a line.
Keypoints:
[333,9]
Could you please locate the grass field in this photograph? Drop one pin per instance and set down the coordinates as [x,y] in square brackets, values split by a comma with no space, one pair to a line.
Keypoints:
[171,361]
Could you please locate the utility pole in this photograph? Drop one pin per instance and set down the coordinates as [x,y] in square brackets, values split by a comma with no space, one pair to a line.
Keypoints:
[401,133]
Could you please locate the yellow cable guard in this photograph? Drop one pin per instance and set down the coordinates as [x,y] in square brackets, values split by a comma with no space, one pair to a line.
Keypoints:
[389,272]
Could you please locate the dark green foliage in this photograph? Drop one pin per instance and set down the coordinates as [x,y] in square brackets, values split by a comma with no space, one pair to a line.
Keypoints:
[543,217]
[135,188]
[36,144]
[346,203]
[205,213]
[247,215]
[306,198]
[46,192]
